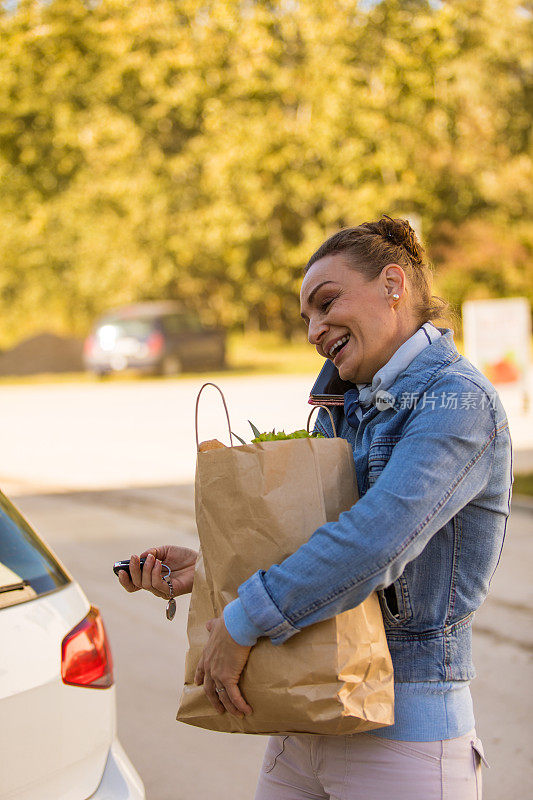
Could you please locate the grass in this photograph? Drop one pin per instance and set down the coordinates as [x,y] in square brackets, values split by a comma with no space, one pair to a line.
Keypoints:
[250,354]
[523,484]
[269,353]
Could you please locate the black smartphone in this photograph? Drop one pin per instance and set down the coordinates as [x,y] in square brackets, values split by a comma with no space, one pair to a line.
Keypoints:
[125,565]
[329,388]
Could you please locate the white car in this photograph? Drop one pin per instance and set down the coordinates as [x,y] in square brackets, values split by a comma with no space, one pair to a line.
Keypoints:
[57,698]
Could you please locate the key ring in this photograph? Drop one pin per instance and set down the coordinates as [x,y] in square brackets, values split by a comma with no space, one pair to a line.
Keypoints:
[171,605]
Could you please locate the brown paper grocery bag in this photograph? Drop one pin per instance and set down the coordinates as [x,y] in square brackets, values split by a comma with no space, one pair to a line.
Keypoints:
[255,505]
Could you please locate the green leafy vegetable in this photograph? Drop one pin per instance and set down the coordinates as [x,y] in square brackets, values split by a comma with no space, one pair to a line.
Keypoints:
[272,436]
[255,430]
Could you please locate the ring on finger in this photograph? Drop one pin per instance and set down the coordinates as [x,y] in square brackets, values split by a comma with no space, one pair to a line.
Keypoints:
[219,690]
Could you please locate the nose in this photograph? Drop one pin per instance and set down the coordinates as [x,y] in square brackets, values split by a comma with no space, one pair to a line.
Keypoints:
[316,331]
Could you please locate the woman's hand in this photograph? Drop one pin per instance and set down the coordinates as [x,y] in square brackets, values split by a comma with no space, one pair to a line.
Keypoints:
[220,668]
[181,561]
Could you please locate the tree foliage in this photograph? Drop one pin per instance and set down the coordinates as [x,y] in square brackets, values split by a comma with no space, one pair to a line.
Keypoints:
[202,150]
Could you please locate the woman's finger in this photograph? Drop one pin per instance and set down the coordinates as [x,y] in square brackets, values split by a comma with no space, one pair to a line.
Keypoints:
[199,675]
[224,697]
[124,580]
[214,699]
[159,586]
[147,572]
[153,551]
[237,700]
[135,571]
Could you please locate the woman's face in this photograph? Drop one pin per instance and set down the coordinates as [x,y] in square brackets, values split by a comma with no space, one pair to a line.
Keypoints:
[352,321]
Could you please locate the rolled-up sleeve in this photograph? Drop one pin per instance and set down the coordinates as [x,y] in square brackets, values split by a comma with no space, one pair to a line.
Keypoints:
[441,462]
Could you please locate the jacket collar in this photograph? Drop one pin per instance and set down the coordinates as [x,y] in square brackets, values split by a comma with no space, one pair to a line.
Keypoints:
[426,364]
[397,364]
[417,374]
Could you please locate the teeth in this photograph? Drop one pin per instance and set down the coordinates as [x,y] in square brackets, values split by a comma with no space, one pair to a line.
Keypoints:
[338,344]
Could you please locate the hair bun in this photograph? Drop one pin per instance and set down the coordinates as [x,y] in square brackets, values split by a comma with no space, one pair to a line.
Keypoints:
[371,246]
[400,233]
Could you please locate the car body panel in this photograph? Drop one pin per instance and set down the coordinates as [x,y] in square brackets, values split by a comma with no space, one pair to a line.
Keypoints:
[54,738]
[120,780]
[34,629]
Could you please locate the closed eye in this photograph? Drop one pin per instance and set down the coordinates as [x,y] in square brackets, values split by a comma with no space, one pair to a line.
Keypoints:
[326,304]
[321,306]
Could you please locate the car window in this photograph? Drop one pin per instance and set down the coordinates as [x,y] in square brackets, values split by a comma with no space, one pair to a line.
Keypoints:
[110,330]
[27,568]
[181,323]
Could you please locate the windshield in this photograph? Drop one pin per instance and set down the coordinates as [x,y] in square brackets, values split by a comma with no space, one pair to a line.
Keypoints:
[27,568]
[112,329]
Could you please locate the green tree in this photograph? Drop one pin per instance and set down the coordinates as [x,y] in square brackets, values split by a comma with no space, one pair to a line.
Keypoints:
[203,149]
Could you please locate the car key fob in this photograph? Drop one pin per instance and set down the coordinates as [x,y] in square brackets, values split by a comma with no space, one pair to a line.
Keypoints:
[125,565]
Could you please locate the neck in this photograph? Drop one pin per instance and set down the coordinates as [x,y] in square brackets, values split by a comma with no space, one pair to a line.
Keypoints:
[406,329]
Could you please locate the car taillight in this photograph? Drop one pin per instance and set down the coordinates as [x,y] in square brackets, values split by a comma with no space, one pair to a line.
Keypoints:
[88,346]
[155,342]
[85,654]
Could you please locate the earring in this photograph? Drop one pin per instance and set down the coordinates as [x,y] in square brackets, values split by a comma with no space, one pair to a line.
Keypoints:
[395,296]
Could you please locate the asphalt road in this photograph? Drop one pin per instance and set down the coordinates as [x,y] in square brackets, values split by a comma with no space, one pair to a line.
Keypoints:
[103,471]
[141,433]
[90,530]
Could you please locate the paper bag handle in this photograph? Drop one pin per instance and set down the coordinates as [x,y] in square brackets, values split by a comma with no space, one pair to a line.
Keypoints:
[330,416]
[225,409]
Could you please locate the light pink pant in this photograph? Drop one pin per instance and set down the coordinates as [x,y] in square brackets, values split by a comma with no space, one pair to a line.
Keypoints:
[366,767]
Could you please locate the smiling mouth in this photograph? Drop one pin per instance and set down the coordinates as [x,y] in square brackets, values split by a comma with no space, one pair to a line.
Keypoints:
[338,349]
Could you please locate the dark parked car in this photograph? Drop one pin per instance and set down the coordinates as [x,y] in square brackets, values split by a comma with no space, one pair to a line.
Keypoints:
[157,337]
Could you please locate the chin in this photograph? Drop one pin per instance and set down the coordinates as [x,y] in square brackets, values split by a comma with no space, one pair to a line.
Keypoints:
[347,374]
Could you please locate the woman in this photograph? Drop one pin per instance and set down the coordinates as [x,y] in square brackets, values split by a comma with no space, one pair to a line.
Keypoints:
[433,462]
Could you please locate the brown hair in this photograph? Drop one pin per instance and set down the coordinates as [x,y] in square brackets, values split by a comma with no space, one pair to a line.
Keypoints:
[371,246]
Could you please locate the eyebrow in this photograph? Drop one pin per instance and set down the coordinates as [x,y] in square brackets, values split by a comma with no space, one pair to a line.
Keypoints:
[315,290]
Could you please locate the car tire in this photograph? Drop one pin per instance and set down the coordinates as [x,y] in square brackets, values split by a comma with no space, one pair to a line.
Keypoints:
[170,365]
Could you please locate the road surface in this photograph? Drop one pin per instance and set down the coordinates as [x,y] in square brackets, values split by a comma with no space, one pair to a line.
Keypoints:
[103,471]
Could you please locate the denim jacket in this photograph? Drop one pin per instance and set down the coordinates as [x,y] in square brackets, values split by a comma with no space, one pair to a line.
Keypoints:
[434,475]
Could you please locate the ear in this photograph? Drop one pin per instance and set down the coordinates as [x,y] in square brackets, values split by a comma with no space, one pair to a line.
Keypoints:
[394,284]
